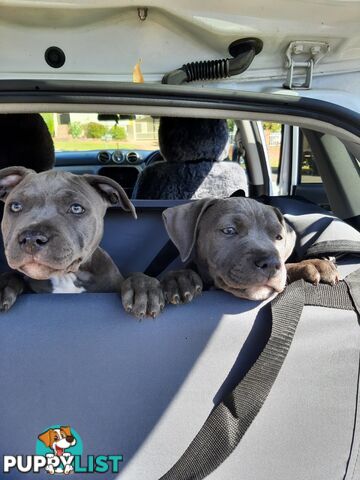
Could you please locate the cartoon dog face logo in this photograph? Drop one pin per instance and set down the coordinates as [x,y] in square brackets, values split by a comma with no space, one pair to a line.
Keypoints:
[58,439]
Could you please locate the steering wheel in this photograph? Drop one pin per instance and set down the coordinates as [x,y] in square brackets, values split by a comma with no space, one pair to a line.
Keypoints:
[154,157]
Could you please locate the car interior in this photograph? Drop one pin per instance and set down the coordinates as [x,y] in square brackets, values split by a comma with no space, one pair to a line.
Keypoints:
[141,388]
[131,166]
[219,161]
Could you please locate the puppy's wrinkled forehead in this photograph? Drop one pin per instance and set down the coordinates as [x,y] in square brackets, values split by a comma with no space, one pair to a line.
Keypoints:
[49,184]
[243,212]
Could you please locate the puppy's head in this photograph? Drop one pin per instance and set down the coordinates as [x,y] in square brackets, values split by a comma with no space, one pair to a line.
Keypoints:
[58,439]
[240,243]
[53,221]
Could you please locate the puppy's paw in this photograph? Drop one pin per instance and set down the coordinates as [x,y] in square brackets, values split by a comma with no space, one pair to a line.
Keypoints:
[142,296]
[181,286]
[11,286]
[314,271]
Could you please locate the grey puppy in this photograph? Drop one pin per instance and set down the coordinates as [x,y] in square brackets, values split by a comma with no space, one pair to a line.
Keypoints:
[52,226]
[238,245]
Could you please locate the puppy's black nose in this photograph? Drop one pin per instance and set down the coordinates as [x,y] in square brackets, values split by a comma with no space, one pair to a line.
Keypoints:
[31,241]
[269,265]
[70,438]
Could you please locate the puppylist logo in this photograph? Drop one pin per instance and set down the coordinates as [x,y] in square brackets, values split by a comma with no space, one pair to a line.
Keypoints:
[58,451]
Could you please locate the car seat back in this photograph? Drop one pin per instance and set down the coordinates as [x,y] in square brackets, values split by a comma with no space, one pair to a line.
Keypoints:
[194,151]
[26,141]
[144,390]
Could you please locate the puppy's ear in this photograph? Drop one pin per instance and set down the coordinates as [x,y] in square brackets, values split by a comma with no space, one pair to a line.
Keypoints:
[182,222]
[45,438]
[112,193]
[290,238]
[10,177]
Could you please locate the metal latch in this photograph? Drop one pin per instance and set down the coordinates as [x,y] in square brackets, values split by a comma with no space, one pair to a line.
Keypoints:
[303,55]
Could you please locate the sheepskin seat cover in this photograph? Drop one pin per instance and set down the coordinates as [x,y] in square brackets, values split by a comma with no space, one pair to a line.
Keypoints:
[194,166]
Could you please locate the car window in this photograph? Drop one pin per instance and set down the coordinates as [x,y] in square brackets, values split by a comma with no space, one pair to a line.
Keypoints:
[237,151]
[308,172]
[73,132]
[273,133]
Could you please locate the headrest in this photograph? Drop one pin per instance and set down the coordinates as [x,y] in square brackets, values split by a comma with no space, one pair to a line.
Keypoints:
[193,139]
[26,141]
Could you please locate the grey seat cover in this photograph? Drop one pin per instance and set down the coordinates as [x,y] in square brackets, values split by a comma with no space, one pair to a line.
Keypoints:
[143,390]
[318,231]
[194,151]
[190,180]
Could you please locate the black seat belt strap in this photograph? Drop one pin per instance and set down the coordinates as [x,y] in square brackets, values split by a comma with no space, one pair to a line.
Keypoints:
[162,260]
[230,419]
[353,283]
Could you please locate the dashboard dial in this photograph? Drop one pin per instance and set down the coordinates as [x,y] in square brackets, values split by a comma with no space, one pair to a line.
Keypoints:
[118,156]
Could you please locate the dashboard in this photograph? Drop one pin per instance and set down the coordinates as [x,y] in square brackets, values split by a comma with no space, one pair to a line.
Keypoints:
[104,157]
[123,166]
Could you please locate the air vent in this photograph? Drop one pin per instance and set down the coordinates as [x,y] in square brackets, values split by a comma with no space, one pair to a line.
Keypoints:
[104,157]
[118,156]
[132,157]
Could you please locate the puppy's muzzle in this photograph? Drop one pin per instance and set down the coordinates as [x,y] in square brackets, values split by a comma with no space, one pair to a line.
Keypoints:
[269,266]
[32,242]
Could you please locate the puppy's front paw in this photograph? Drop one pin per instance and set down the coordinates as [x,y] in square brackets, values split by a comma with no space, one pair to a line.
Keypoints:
[314,271]
[181,286]
[142,295]
[11,286]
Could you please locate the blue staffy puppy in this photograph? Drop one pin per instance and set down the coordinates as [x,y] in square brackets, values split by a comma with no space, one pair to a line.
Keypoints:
[52,226]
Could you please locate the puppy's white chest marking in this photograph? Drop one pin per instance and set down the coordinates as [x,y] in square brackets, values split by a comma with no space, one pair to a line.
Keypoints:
[65,284]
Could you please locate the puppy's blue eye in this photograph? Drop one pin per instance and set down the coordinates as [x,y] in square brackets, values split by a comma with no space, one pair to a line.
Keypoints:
[76,209]
[16,207]
[229,231]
